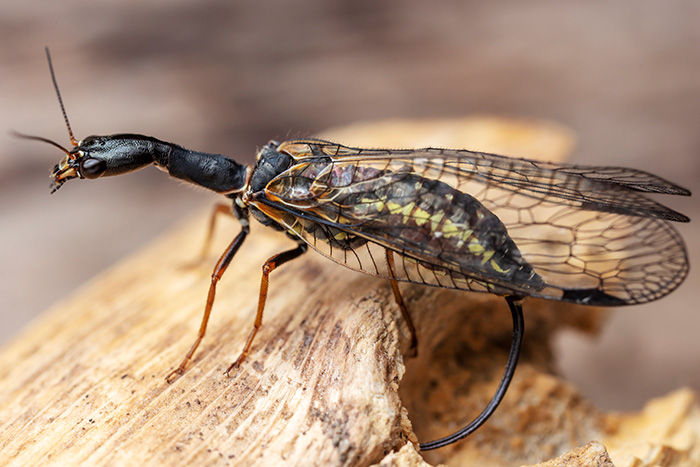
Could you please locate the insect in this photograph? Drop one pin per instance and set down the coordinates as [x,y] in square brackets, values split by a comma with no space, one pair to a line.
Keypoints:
[440,217]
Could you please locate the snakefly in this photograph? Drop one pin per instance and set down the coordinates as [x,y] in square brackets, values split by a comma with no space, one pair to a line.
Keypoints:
[441,217]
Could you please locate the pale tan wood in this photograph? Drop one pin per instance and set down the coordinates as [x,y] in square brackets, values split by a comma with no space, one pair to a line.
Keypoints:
[592,454]
[326,382]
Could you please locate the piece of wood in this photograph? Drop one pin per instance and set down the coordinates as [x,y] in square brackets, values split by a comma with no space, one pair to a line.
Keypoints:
[592,454]
[326,382]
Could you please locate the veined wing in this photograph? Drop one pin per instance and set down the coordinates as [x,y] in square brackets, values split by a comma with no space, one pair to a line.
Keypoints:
[591,187]
[481,222]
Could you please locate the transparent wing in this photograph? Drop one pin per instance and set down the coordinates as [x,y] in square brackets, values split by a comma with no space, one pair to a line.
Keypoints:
[482,222]
[596,188]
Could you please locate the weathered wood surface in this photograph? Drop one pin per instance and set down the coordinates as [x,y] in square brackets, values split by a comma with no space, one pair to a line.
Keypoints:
[326,382]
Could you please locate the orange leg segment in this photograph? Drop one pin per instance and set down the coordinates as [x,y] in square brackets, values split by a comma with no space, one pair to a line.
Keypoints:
[219,270]
[399,302]
[269,266]
[219,209]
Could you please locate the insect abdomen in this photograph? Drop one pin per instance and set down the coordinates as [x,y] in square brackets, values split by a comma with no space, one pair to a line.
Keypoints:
[433,220]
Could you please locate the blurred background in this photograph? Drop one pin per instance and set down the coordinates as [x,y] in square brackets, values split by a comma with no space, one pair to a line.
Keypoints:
[226,76]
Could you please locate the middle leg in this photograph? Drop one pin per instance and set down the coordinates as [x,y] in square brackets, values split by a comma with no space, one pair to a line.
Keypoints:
[269,266]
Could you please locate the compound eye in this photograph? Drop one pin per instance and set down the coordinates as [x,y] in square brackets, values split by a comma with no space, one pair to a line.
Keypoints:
[92,168]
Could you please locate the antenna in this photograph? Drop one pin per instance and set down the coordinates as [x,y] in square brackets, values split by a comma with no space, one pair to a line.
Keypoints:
[60,101]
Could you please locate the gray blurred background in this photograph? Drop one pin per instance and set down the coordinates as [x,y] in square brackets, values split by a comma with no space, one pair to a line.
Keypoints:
[227,76]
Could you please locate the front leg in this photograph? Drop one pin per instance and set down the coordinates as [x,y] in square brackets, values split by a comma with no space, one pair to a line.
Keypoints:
[219,210]
[219,270]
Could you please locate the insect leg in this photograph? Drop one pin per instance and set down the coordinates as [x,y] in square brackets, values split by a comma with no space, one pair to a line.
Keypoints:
[270,265]
[516,310]
[219,208]
[219,270]
[399,302]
